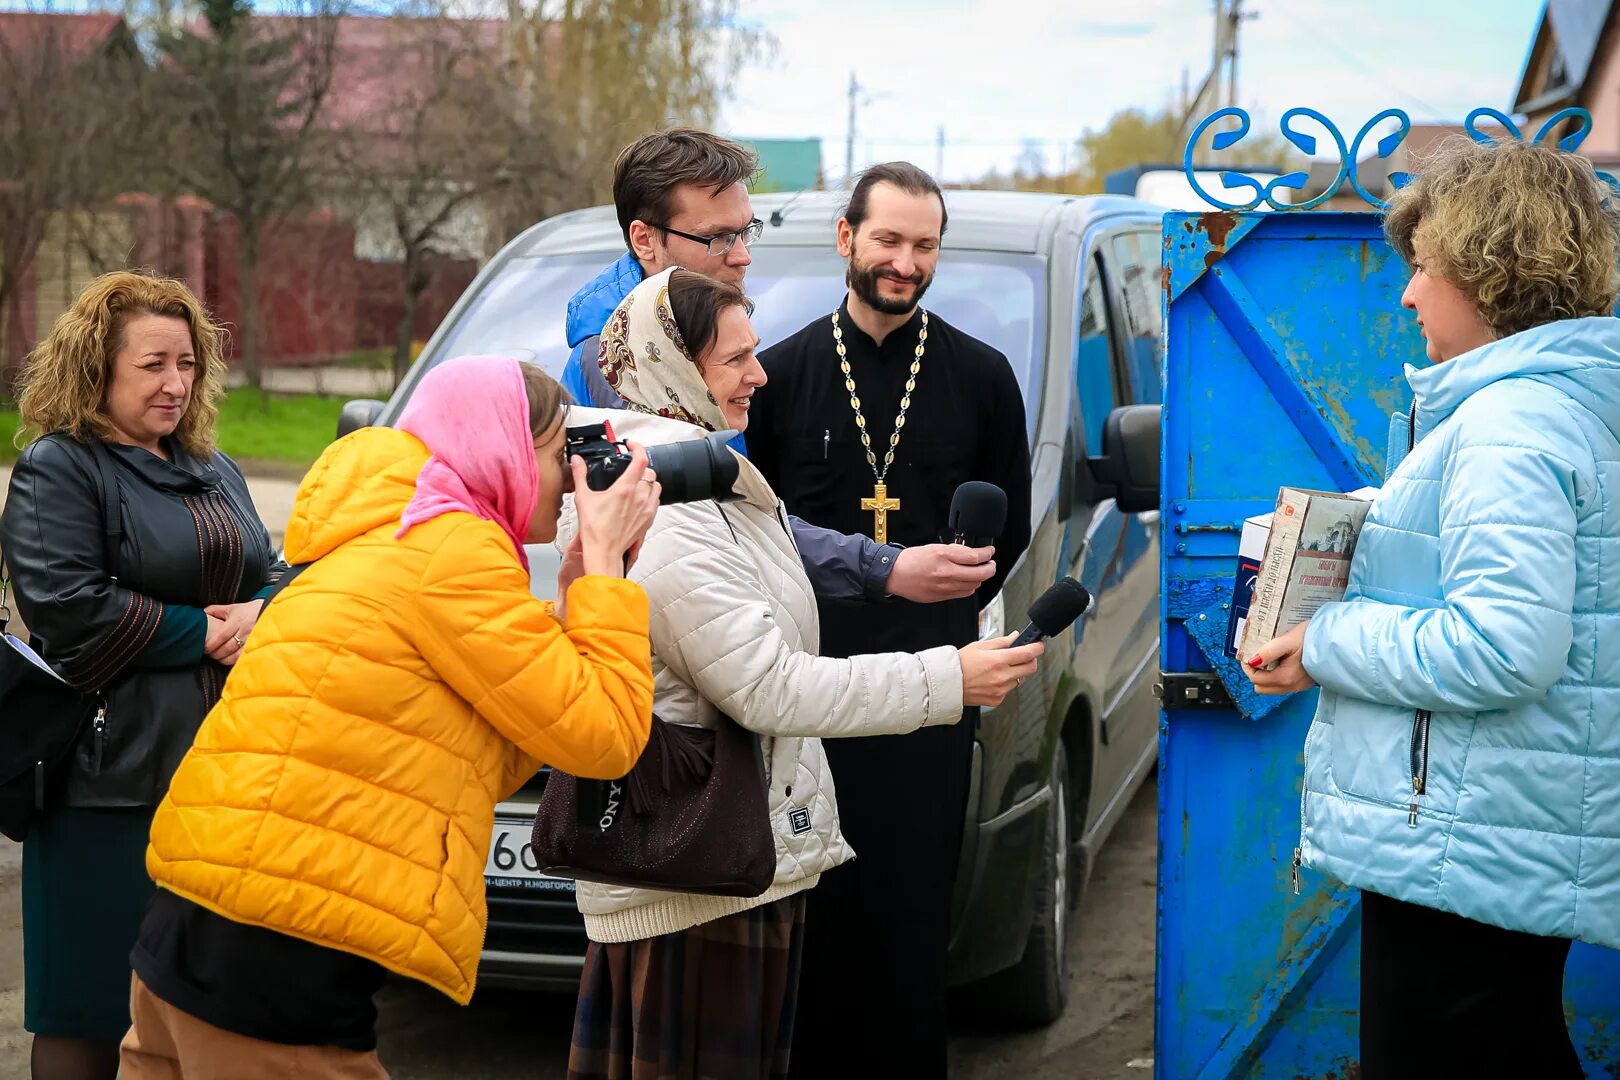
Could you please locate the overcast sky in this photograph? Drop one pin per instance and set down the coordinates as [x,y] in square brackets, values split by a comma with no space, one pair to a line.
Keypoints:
[995,73]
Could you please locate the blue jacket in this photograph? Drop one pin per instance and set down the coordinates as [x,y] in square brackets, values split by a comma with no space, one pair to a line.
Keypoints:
[840,567]
[588,312]
[1465,753]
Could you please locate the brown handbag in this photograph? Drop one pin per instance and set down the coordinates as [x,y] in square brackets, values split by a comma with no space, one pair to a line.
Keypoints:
[692,816]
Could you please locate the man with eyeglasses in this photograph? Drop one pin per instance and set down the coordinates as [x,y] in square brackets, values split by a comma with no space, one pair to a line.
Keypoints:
[682,200]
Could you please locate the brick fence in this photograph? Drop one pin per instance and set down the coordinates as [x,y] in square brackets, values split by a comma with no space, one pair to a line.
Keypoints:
[317,302]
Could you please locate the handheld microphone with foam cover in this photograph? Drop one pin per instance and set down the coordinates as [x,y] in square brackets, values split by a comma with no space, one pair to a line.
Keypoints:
[1054,610]
[978,512]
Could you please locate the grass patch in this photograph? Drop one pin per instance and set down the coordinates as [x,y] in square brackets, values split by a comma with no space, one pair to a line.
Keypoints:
[289,430]
[9,423]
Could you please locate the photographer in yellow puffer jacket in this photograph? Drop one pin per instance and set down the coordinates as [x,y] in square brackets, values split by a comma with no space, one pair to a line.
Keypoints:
[332,819]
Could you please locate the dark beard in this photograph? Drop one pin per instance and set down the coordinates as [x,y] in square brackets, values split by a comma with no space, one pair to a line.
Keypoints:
[864,281]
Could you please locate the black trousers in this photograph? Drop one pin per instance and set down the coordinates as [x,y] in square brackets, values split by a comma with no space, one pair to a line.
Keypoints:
[1444,996]
[872,992]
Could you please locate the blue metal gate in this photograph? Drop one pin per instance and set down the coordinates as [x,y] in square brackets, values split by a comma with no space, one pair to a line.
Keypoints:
[1285,341]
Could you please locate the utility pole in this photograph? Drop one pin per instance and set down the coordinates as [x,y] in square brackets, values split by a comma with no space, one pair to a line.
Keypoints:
[849,138]
[939,157]
[1234,20]
[1229,16]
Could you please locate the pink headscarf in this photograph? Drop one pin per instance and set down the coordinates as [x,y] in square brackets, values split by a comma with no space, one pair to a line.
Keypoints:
[473,415]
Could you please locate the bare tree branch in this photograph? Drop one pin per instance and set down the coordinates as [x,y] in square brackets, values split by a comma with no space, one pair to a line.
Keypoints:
[245,96]
[63,130]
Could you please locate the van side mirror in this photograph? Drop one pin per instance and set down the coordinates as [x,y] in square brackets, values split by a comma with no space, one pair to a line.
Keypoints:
[358,414]
[1127,470]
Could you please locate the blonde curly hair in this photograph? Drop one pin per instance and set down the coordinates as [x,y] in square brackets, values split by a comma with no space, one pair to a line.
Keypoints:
[65,380]
[1527,232]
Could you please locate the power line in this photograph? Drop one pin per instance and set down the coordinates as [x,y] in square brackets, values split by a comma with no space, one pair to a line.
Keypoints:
[1357,64]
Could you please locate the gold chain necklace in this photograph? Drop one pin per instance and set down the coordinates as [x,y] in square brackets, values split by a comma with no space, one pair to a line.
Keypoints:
[880,504]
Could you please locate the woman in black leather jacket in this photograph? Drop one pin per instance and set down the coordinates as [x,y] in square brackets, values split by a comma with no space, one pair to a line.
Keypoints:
[123,388]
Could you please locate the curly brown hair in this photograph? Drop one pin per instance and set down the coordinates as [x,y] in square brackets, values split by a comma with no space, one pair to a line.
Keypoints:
[1527,232]
[65,381]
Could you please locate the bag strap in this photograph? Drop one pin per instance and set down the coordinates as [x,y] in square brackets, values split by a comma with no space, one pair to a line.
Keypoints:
[284,581]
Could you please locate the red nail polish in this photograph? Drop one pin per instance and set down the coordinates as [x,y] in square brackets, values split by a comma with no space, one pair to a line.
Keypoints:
[1254,662]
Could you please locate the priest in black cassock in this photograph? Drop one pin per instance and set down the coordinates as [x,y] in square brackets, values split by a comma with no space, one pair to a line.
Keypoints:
[872,417]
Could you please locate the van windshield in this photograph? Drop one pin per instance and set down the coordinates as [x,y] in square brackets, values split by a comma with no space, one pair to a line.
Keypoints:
[998,298]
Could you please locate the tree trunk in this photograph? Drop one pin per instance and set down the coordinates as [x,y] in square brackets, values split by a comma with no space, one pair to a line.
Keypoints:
[416,282]
[248,282]
[5,333]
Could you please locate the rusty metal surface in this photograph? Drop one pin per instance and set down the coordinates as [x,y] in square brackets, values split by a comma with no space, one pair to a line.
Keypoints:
[1284,354]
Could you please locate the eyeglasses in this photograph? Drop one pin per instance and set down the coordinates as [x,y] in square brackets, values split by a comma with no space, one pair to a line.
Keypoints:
[720,243]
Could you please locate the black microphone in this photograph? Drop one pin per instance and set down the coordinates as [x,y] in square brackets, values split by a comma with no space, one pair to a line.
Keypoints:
[1054,610]
[978,511]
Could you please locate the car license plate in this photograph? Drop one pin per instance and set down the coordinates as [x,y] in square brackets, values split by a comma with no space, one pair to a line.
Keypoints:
[511,863]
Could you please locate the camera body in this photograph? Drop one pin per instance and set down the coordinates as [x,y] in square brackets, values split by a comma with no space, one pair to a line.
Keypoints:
[605,457]
[689,471]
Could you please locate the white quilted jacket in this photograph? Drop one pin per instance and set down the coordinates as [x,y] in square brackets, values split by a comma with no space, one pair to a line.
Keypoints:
[734,630]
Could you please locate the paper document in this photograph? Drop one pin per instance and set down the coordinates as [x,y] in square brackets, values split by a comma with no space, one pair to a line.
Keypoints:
[19,645]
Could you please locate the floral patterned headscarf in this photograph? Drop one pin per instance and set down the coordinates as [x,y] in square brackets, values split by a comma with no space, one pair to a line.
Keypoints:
[645,360]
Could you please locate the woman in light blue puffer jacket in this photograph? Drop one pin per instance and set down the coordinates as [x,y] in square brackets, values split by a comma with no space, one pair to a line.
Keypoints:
[1463,769]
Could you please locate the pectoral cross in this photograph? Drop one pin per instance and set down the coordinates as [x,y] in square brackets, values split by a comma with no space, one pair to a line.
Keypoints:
[880,504]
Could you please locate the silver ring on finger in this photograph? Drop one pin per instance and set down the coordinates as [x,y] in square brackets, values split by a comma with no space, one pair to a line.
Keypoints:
[238,639]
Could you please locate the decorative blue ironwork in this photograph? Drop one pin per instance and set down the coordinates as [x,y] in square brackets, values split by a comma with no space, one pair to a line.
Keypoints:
[1223,139]
[1386,147]
[1471,125]
[1573,139]
[1268,193]
[1307,144]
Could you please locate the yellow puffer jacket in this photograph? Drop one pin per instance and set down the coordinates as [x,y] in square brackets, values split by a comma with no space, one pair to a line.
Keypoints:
[343,790]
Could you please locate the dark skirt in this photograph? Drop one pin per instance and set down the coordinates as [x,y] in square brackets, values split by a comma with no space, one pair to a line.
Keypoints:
[714,1002]
[84,892]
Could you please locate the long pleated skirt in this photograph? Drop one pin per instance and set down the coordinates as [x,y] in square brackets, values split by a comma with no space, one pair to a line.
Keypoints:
[715,1002]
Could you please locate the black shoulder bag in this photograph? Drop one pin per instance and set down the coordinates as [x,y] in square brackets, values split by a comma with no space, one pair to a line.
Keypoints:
[41,716]
[692,816]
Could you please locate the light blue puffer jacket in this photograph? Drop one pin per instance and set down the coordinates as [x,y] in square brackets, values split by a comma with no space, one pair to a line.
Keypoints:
[1466,749]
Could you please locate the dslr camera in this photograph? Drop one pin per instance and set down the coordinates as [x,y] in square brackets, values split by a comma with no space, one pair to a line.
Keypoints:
[689,471]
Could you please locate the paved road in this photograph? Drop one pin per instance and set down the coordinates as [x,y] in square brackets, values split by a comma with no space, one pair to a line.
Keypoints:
[1108,1026]
[1107,1033]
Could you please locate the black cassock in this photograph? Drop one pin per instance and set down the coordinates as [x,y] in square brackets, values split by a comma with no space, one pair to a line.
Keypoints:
[872,992]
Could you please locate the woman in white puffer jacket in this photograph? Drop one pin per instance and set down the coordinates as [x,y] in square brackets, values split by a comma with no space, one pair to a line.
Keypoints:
[677,984]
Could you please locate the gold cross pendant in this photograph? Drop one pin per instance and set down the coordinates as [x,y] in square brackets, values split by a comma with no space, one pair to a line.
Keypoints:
[881,505]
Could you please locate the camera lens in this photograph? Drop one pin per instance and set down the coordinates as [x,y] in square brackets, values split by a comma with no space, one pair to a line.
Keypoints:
[695,470]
